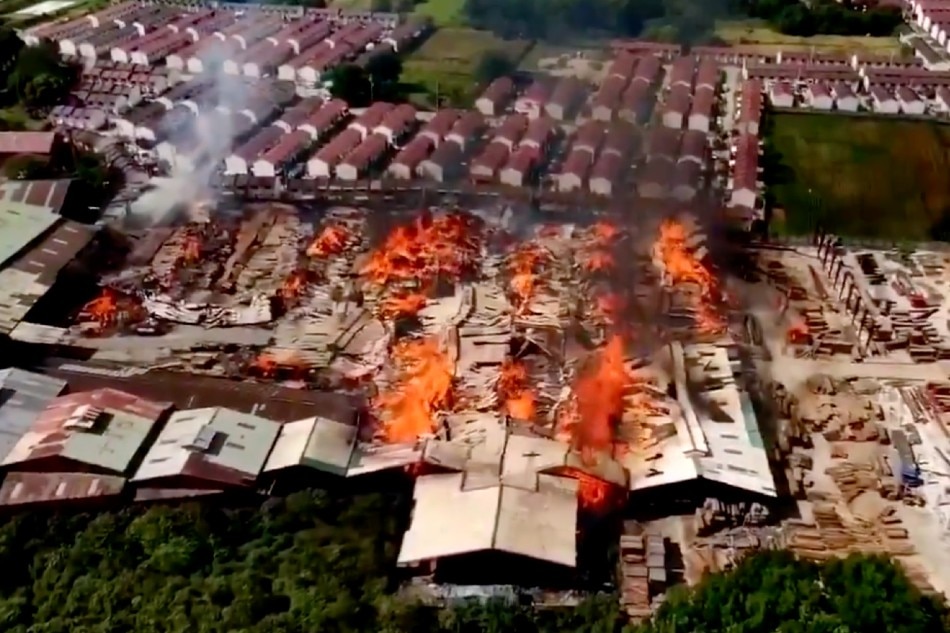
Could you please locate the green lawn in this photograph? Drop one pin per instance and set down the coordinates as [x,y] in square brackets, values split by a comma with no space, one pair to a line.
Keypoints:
[863,176]
[446,63]
[442,12]
[757,34]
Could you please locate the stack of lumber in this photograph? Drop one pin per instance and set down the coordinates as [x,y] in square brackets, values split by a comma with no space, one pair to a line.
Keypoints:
[853,478]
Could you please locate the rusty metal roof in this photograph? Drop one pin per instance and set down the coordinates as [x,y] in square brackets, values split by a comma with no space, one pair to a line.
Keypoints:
[21,489]
[27,142]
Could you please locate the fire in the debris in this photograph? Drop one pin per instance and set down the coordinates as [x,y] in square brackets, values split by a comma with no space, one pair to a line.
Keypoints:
[190,250]
[682,267]
[593,494]
[610,306]
[599,261]
[331,241]
[605,232]
[428,248]
[104,309]
[424,387]
[293,286]
[513,389]
[798,333]
[401,305]
[525,266]
[589,421]
[268,364]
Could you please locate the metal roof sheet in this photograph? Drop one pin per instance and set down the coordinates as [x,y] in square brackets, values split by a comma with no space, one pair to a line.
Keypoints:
[19,227]
[21,489]
[23,396]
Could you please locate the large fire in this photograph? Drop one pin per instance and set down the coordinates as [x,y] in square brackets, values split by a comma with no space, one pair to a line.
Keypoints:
[525,268]
[268,364]
[682,267]
[589,421]
[190,250]
[592,493]
[424,250]
[104,309]
[293,286]
[401,304]
[423,388]
[331,240]
[514,390]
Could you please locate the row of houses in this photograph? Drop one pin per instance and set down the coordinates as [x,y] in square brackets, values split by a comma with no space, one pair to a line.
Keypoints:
[559,99]
[690,99]
[744,188]
[255,44]
[860,79]
[598,158]
[932,17]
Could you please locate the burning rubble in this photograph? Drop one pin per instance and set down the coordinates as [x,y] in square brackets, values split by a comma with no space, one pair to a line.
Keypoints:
[682,267]
[408,410]
[515,391]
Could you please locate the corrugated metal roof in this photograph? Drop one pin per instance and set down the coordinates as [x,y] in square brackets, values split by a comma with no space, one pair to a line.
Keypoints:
[47,195]
[114,425]
[33,488]
[23,396]
[19,227]
[317,442]
[27,142]
[216,444]
[457,514]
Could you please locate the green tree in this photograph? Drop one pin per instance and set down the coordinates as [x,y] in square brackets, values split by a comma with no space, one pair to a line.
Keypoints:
[493,64]
[350,83]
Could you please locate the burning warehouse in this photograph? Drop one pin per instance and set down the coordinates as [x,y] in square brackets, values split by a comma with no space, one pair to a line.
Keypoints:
[527,375]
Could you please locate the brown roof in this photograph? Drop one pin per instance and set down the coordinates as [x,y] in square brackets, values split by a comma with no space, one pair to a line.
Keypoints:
[707,76]
[260,143]
[49,195]
[22,489]
[678,99]
[782,89]
[399,119]
[468,124]
[623,65]
[512,128]
[662,141]
[414,152]
[648,69]
[751,101]
[339,146]
[324,118]
[703,102]
[687,173]
[608,167]
[539,132]
[499,91]
[27,142]
[492,157]
[609,93]
[590,135]
[302,111]
[620,138]
[907,95]
[522,160]
[693,144]
[819,89]
[842,90]
[441,124]
[681,71]
[880,93]
[367,152]
[539,91]
[745,170]
[374,114]
[657,172]
[636,96]
[578,163]
[289,146]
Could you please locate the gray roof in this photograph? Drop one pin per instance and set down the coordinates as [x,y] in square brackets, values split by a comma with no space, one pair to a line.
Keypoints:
[319,443]
[23,396]
[19,227]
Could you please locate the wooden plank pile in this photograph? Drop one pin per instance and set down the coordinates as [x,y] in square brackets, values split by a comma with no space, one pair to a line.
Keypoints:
[634,577]
[853,478]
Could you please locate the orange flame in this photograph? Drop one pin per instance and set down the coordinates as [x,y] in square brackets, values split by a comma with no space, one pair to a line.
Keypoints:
[104,309]
[268,364]
[331,241]
[424,250]
[604,232]
[525,266]
[513,389]
[589,421]
[402,304]
[683,267]
[293,286]
[423,388]
[798,333]
[190,250]
[599,261]
[593,494]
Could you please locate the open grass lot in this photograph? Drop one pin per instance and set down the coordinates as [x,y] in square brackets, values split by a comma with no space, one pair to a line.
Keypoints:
[442,12]
[864,176]
[448,59]
[760,35]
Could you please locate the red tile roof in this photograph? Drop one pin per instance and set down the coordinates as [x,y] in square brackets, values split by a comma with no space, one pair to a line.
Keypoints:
[745,170]
[259,143]
[289,146]
[539,132]
[414,152]
[578,163]
[492,157]
[441,124]
[23,489]
[522,160]
[681,71]
[367,152]
[678,99]
[608,167]
[499,91]
[512,128]
[590,135]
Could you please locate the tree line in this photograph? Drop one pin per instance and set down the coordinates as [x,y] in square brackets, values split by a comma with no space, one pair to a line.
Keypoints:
[824,17]
[324,561]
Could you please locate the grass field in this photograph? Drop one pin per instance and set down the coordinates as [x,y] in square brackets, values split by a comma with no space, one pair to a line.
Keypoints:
[760,35]
[447,61]
[442,12]
[862,176]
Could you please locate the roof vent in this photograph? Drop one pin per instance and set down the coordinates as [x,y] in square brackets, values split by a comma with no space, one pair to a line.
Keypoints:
[202,440]
[84,418]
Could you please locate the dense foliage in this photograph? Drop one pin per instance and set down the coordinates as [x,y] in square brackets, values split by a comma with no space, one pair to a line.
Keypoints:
[773,592]
[826,17]
[358,86]
[321,561]
[37,76]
